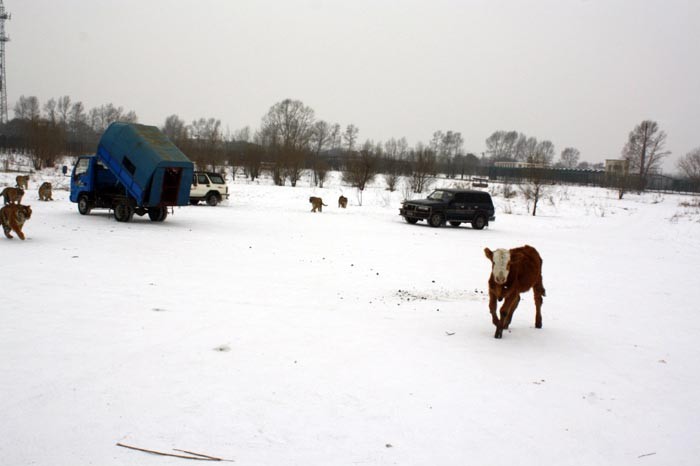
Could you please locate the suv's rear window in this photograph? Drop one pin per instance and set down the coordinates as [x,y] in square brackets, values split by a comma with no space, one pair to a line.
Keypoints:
[216,179]
[483,198]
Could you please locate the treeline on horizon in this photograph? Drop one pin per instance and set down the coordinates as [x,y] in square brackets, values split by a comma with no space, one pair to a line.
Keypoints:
[290,140]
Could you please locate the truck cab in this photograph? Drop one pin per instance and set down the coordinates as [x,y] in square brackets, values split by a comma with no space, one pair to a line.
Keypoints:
[93,185]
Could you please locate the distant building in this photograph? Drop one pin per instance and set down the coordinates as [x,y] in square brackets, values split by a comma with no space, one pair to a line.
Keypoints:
[617,167]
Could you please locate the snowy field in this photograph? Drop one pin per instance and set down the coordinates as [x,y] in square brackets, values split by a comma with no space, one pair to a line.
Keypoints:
[260,332]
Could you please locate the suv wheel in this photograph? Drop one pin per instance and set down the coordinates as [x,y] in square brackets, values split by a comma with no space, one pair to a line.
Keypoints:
[455,224]
[479,222]
[212,199]
[435,220]
[410,220]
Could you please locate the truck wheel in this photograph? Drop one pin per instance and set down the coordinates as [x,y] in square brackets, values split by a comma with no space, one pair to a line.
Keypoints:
[410,220]
[435,220]
[212,199]
[479,222]
[83,205]
[158,214]
[455,224]
[193,202]
[123,212]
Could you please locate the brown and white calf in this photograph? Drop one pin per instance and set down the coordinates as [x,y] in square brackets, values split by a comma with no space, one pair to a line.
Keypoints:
[514,271]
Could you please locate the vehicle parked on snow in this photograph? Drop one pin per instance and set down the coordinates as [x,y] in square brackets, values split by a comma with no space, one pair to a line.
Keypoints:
[136,170]
[455,206]
[209,187]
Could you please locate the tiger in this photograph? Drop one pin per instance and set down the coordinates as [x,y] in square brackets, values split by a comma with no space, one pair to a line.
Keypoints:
[342,201]
[13,216]
[316,204]
[22,181]
[12,195]
[45,191]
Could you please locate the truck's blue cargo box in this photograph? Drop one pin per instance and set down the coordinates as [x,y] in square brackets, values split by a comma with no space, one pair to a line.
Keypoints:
[153,170]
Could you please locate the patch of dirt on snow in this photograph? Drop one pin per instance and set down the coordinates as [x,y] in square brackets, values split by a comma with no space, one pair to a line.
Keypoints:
[442,294]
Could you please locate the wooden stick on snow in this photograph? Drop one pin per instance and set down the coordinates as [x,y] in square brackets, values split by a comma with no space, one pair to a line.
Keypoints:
[200,457]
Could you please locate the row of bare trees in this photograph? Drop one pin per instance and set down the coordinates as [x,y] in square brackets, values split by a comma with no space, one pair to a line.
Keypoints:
[57,128]
[291,140]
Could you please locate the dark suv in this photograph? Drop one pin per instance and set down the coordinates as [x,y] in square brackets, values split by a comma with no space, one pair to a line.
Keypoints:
[451,205]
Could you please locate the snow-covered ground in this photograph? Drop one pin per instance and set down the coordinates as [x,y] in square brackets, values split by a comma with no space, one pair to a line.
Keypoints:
[263,333]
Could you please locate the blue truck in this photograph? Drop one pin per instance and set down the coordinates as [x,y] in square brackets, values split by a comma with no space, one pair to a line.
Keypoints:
[137,170]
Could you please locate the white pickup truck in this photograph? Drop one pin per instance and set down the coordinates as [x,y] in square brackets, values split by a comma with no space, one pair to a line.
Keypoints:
[209,187]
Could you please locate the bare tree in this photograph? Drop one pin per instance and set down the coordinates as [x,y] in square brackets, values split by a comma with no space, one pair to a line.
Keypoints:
[645,150]
[77,116]
[320,141]
[533,189]
[350,137]
[447,146]
[362,168]
[621,182]
[293,165]
[453,144]
[286,130]
[529,148]
[523,147]
[436,141]
[544,153]
[206,142]
[501,145]
[569,157]
[101,117]
[242,134]
[80,136]
[466,164]
[336,137]
[252,156]
[422,168]
[689,165]
[46,141]
[267,138]
[292,122]
[322,169]
[536,186]
[50,111]
[175,129]
[402,146]
[27,108]
[391,164]
[63,110]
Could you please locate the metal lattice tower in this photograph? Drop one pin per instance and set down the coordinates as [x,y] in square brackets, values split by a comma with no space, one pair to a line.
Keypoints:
[3,83]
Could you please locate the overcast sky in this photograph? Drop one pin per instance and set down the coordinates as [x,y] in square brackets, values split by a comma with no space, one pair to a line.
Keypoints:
[579,73]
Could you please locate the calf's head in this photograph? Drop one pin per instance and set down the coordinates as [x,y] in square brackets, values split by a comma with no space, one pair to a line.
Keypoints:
[500,260]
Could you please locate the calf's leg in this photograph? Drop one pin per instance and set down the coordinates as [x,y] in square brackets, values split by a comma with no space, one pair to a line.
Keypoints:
[506,310]
[511,311]
[538,308]
[492,307]
[538,291]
